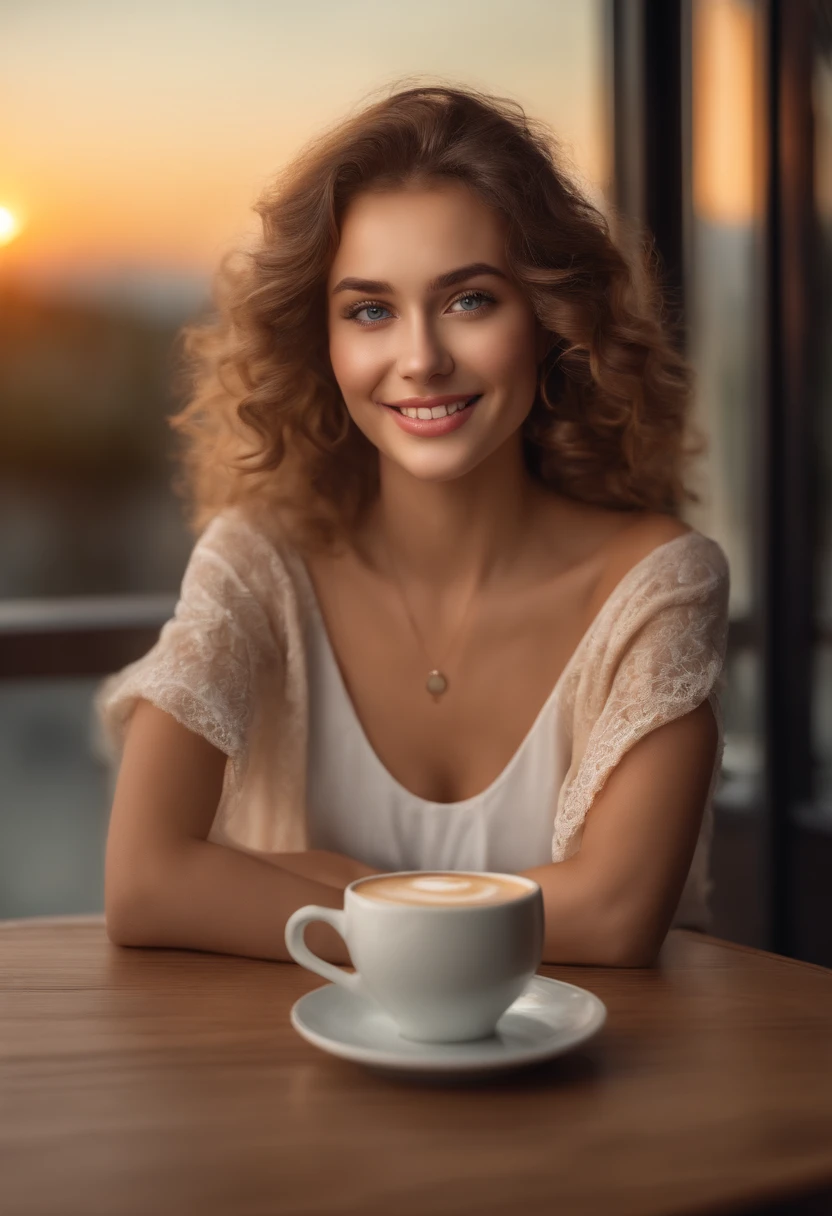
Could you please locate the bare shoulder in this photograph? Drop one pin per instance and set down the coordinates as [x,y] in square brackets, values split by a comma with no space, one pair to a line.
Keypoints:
[634,540]
[646,532]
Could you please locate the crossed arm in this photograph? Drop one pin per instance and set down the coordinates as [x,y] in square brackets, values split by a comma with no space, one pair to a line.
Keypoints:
[613,902]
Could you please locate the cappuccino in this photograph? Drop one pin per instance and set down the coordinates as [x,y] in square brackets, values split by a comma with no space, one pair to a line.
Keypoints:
[443,889]
[444,953]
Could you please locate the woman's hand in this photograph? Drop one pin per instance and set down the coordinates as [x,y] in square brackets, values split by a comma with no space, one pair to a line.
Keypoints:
[323,866]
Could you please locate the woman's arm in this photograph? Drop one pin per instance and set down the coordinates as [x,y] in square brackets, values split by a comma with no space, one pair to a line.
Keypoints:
[320,865]
[167,885]
[650,742]
[613,902]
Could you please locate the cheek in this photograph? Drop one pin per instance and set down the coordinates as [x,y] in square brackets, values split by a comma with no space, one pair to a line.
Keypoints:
[509,356]
[355,365]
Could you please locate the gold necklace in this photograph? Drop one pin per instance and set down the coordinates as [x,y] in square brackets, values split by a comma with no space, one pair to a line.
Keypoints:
[437,681]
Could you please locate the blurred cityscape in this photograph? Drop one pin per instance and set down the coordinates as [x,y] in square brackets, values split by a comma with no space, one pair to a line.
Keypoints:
[86,457]
[86,508]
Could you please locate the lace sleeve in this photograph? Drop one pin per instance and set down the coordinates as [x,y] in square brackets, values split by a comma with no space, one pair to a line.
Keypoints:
[663,656]
[203,668]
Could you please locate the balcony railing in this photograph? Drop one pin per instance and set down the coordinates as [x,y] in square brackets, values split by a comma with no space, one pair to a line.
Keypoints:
[86,636]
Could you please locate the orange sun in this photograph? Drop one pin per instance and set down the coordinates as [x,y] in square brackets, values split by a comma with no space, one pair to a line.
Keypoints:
[9,226]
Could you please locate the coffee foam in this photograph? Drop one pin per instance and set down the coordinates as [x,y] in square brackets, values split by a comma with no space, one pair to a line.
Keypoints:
[442,890]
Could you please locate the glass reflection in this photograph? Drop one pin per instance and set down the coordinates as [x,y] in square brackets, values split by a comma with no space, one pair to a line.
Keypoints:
[822,691]
[726,327]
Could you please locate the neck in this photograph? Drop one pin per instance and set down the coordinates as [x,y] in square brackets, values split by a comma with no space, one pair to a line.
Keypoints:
[452,536]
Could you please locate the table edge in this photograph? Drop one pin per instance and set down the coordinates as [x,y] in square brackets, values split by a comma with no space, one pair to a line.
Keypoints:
[83,919]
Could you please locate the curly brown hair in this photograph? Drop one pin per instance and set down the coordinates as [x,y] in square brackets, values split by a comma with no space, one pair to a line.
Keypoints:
[265,426]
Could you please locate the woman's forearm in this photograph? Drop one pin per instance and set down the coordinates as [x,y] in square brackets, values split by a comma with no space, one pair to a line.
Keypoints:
[321,865]
[206,896]
[210,897]
[580,928]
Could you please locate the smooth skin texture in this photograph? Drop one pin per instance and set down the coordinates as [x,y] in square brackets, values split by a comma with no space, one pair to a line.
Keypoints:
[466,524]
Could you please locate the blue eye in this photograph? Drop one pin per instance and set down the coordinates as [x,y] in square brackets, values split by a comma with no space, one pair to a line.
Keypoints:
[370,308]
[483,298]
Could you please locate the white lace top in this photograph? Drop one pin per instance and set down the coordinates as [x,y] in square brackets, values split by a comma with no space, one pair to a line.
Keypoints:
[233,665]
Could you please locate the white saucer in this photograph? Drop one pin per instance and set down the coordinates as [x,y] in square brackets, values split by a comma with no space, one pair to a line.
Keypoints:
[549,1018]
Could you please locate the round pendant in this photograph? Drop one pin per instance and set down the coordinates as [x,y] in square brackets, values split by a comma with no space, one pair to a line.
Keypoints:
[436,683]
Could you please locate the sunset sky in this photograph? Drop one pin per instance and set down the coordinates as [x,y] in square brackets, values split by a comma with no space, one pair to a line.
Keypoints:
[137,136]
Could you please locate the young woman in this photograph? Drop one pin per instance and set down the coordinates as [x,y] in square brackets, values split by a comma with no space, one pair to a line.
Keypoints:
[441,612]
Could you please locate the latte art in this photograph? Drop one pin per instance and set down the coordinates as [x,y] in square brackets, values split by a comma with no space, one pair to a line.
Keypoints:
[443,952]
[443,890]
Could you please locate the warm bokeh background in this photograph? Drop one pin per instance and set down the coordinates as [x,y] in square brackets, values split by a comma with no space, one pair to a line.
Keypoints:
[142,132]
[141,137]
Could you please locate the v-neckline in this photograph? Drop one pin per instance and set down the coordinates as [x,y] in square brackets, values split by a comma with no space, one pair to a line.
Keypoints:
[620,587]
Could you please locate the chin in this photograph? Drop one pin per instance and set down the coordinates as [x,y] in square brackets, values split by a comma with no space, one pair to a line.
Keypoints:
[431,469]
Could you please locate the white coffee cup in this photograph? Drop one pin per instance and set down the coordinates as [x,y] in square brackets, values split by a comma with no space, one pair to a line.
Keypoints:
[442,959]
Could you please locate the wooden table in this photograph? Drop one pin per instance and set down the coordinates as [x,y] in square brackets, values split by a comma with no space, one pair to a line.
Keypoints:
[156,1082]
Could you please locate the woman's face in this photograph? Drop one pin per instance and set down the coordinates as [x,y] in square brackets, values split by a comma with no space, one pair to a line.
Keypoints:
[399,336]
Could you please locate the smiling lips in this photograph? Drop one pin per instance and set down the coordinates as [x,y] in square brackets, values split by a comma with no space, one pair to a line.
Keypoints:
[432,407]
[441,420]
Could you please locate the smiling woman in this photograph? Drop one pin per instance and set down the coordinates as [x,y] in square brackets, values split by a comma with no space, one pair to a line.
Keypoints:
[488,352]
[607,423]
[413,636]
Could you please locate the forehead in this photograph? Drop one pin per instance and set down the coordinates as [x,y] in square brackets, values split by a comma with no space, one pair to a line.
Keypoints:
[420,230]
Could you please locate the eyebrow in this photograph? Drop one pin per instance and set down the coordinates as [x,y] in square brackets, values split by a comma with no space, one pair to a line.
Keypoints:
[449,279]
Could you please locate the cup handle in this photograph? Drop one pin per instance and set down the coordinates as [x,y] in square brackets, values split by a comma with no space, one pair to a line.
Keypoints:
[300,952]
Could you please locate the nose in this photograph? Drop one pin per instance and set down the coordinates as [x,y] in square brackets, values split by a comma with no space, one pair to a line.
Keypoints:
[422,353]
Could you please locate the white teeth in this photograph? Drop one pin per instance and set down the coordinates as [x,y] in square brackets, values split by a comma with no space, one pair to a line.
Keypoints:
[438,411]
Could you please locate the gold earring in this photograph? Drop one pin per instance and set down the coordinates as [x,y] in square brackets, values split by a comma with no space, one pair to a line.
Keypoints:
[544,376]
